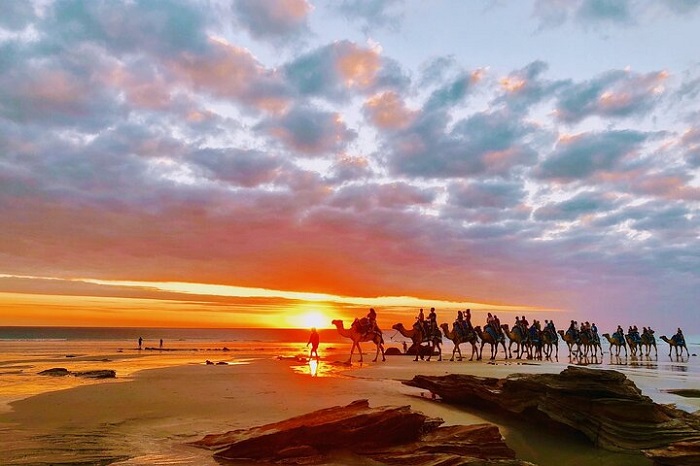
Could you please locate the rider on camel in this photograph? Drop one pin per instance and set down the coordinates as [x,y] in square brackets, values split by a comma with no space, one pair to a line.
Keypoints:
[460,325]
[678,337]
[619,334]
[372,319]
[432,326]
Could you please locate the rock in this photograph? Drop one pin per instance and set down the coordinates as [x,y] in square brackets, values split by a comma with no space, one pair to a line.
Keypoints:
[685,392]
[685,453]
[391,435]
[97,374]
[56,372]
[602,404]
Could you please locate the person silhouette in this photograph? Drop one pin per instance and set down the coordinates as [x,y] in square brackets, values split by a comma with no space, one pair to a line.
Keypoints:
[140,342]
[314,340]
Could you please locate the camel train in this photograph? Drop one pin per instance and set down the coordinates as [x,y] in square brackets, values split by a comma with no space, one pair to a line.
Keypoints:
[523,340]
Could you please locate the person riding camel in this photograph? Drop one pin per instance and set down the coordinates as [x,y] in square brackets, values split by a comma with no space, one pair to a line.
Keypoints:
[459,325]
[432,327]
[468,319]
[524,325]
[420,323]
[573,330]
[678,338]
[594,333]
[619,334]
[497,327]
[489,326]
[372,316]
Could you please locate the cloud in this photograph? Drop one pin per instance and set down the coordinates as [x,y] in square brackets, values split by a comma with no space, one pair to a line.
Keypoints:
[496,194]
[554,13]
[246,168]
[578,157]
[372,14]
[276,20]
[397,195]
[16,15]
[525,87]
[388,111]
[614,94]
[231,72]
[582,204]
[485,142]
[308,131]
[341,69]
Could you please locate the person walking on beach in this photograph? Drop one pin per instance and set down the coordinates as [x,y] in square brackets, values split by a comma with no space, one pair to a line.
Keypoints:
[314,340]
[140,342]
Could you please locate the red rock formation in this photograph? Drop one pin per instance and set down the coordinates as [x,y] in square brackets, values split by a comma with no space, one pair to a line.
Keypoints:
[391,435]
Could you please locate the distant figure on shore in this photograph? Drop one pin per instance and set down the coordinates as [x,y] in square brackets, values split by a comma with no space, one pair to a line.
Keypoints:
[140,342]
[405,348]
[314,340]
[161,343]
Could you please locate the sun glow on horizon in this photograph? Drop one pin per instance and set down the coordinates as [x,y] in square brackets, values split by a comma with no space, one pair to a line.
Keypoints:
[164,304]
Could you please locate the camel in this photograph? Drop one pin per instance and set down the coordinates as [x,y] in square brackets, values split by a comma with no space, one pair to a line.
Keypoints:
[516,336]
[416,337]
[487,338]
[357,337]
[589,341]
[457,339]
[570,342]
[672,343]
[634,346]
[550,341]
[649,341]
[615,342]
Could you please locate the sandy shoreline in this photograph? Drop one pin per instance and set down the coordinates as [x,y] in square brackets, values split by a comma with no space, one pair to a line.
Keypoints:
[149,416]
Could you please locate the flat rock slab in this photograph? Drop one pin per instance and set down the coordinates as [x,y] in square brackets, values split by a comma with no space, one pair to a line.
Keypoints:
[604,405]
[389,435]
[95,374]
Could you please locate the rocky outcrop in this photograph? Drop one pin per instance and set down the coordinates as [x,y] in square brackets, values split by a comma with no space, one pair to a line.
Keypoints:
[677,454]
[389,435]
[95,374]
[56,372]
[602,404]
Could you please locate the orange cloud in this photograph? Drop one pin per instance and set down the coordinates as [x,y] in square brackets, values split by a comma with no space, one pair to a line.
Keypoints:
[358,67]
[388,111]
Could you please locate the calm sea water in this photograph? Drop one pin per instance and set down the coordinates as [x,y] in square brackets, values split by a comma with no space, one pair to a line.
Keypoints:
[150,335]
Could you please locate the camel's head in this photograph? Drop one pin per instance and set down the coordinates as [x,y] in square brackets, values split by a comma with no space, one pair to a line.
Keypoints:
[337,323]
[505,327]
[606,335]
[444,325]
[398,326]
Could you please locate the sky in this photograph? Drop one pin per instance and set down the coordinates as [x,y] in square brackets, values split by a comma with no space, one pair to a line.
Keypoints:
[255,163]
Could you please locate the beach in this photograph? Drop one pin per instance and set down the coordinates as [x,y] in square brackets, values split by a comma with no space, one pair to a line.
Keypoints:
[162,399]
